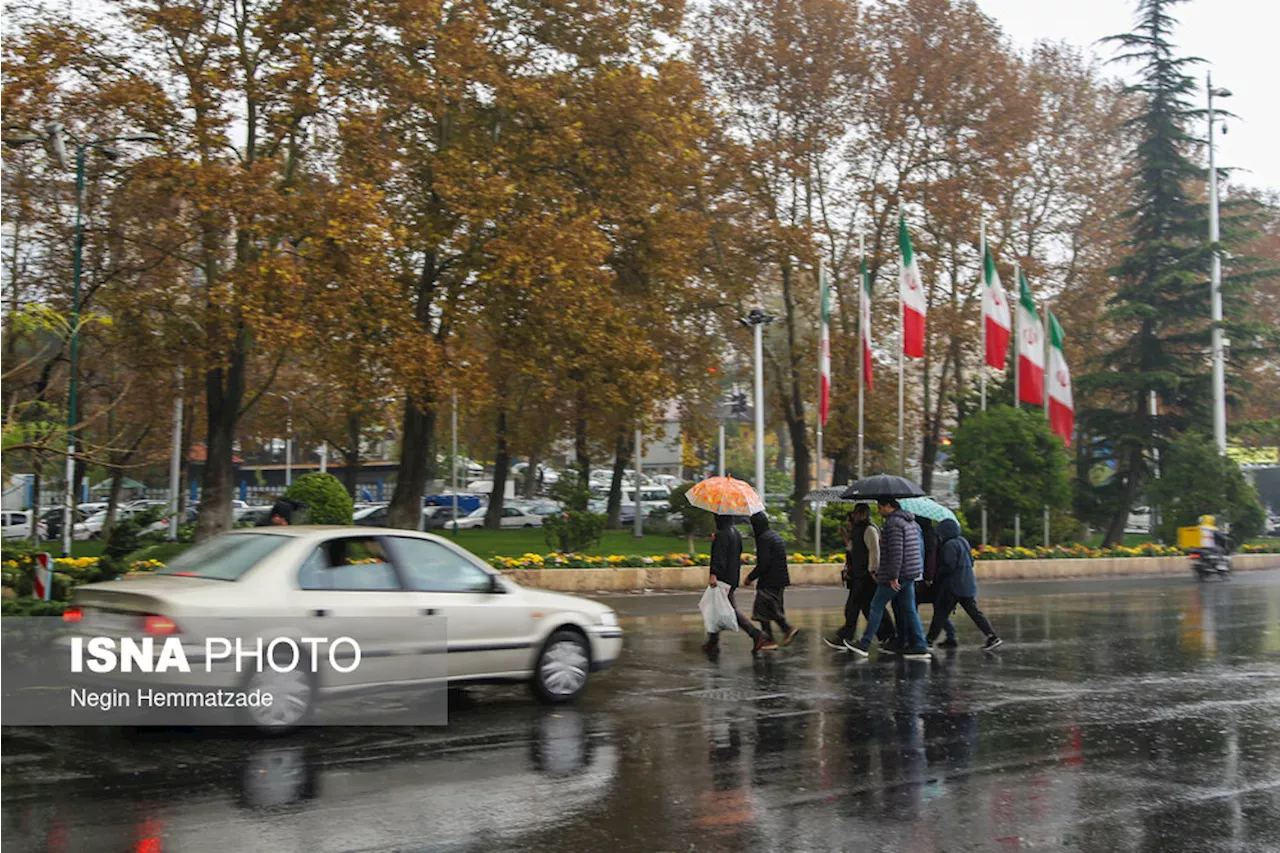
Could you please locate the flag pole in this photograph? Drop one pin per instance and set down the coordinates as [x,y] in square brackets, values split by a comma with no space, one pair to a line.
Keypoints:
[862,345]
[902,362]
[1017,359]
[822,344]
[982,323]
[1046,403]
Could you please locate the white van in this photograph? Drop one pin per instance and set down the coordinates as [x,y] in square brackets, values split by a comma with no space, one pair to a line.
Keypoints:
[17,524]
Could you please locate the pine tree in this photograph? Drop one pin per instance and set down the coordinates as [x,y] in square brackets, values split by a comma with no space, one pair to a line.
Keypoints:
[1162,291]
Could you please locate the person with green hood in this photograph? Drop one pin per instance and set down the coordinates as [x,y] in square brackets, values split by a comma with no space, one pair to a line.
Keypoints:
[957,584]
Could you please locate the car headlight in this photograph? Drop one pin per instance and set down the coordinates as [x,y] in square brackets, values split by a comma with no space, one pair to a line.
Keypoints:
[609,619]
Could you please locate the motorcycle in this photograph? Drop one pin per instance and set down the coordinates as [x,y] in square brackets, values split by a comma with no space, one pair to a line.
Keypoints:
[1211,562]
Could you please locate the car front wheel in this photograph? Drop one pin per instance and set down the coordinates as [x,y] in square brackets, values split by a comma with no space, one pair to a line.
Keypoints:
[560,674]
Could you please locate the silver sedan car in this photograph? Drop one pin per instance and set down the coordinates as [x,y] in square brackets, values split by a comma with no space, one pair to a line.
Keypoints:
[497,631]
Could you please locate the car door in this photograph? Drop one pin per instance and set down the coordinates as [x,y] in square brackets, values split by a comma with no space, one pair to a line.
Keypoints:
[348,586]
[512,517]
[491,631]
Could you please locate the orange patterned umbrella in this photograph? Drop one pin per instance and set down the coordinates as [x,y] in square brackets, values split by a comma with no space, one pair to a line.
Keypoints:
[725,496]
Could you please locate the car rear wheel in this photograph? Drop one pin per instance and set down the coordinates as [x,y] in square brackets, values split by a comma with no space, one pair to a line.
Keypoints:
[293,700]
[560,674]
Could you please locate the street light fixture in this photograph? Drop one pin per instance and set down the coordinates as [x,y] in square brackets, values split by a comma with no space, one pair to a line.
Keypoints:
[1215,286]
[757,320]
[55,136]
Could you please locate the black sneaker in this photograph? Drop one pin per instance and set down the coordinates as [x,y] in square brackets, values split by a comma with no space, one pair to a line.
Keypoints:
[917,654]
[949,643]
[992,642]
[836,643]
[889,647]
[859,648]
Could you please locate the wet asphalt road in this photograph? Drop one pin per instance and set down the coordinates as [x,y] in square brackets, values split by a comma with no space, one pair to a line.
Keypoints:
[1125,715]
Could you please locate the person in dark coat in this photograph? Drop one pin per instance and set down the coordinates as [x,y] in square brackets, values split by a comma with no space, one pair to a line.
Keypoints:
[726,567]
[901,564]
[861,562]
[771,570]
[957,585]
[927,586]
[281,514]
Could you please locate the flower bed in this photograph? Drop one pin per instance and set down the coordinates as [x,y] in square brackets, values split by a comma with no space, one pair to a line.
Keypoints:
[985,552]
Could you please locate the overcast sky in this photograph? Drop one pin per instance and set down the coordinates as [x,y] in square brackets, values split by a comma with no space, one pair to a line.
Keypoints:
[1237,38]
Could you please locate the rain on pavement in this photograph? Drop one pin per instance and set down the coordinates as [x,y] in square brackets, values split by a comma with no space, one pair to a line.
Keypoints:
[1137,714]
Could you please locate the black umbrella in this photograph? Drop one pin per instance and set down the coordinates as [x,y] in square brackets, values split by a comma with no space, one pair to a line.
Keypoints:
[882,486]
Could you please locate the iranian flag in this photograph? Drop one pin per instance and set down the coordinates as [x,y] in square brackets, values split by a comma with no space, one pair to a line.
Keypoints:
[864,306]
[911,291]
[996,318]
[824,347]
[1062,411]
[1030,347]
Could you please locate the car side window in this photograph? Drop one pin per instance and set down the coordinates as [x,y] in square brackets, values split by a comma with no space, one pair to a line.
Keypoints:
[430,567]
[353,563]
[510,512]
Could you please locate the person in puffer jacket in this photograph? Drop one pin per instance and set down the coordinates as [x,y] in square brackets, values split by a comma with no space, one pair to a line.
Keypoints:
[771,571]
[900,567]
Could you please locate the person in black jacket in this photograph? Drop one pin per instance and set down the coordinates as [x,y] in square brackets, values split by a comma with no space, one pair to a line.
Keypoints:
[771,570]
[726,568]
[861,562]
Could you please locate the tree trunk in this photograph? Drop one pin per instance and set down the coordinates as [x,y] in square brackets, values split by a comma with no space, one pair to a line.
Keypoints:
[113,500]
[351,456]
[780,461]
[843,472]
[531,476]
[184,470]
[794,413]
[933,428]
[36,468]
[417,464]
[224,389]
[614,521]
[501,467]
[581,453]
[1115,530]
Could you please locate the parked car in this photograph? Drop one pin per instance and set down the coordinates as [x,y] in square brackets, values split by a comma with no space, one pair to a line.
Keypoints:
[544,508]
[252,516]
[498,630]
[51,520]
[371,516]
[511,517]
[16,524]
[441,517]
[466,501]
[188,517]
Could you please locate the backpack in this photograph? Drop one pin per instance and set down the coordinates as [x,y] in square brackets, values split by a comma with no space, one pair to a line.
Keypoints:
[931,557]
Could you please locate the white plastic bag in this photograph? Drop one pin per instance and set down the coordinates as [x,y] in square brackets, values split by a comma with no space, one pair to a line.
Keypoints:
[717,612]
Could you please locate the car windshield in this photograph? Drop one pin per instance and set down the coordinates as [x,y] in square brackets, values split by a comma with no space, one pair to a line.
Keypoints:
[224,558]
[478,513]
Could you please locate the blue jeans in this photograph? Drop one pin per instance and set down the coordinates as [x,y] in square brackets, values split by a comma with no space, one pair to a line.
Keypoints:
[910,630]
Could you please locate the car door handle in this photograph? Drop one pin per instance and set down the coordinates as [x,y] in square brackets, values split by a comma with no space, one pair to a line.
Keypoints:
[428,611]
[319,612]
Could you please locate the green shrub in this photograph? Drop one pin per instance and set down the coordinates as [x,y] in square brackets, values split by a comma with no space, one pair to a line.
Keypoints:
[31,607]
[573,531]
[325,496]
[572,490]
[126,537]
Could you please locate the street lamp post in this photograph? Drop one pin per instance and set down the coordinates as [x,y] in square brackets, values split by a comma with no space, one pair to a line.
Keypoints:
[1215,287]
[756,321]
[54,133]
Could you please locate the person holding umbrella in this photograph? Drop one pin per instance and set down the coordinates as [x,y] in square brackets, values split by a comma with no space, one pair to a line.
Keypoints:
[861,563]
[900,567]
[728,499]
